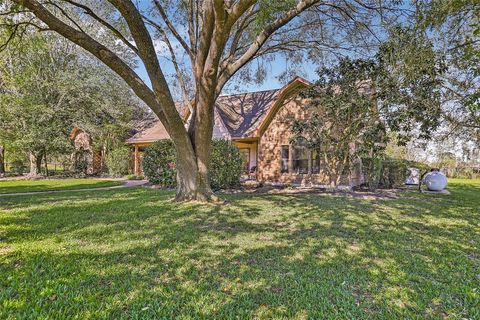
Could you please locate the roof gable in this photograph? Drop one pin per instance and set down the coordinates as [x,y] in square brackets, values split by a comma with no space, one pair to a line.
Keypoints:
[242,113]
[292,87]
[245,115]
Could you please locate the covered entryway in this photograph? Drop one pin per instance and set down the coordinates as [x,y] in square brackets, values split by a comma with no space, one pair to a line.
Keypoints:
[248,151]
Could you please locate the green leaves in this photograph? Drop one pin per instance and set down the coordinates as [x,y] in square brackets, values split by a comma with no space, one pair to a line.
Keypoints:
[118,161]
[355,102]
[270,10]
[343,120]
[225,164]
[159,163]
[409,83]
[50,87]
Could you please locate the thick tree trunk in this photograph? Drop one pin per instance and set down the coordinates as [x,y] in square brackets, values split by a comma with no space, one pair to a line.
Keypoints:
[202,142]
[35,164]
[2,161]
[192,178]
[191,181]
[46,165]
[187,173]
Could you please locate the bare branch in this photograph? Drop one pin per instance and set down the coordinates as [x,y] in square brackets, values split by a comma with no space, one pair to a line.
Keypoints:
[239,32]
[250,53]
[66,15]
[146,51]
[174,61]
[239,9]
[172,29]
[3,46]
[191,25]
[107,25]
[16,27]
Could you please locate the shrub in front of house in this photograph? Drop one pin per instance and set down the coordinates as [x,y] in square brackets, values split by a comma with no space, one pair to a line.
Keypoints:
[225,166]
[387,173]
[394,173]
[372,171]
[159,164]
[118,162]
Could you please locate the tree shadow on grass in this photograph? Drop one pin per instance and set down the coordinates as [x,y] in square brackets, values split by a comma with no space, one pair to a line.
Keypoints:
[134,254]
[21,186]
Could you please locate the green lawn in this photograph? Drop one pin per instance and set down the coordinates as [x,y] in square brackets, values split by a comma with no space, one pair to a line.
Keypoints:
[14,186]
[134,254]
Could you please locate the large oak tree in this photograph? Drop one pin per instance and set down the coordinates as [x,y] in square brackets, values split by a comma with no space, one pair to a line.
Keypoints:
[208,43]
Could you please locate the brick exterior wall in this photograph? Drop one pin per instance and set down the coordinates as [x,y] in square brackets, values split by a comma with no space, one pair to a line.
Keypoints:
[279,133]
[82,140]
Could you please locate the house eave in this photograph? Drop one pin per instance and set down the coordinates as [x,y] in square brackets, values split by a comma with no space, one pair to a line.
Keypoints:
[245,139]
[142,141]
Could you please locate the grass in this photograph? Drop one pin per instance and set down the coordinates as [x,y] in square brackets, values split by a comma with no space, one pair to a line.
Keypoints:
[17,186]
[134,254]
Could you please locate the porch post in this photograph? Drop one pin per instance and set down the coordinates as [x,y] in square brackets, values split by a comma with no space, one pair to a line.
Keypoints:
[136,164]
[257,162]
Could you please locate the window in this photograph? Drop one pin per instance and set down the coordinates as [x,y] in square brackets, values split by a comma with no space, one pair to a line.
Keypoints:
[300,159]
[304,160]
[245,156]
[315,161]
[285,154]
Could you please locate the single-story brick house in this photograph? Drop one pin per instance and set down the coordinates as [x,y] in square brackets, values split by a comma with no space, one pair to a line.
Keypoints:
[259,124]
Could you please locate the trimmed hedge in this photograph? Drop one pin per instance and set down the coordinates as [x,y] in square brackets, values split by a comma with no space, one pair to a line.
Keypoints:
[159,164]
[388,173]
[225,164]
[118,161]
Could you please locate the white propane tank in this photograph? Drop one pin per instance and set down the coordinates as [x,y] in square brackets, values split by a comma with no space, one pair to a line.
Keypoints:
[435,180]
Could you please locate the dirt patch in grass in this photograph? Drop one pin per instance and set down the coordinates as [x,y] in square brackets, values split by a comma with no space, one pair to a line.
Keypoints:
[366,195]
[5,250]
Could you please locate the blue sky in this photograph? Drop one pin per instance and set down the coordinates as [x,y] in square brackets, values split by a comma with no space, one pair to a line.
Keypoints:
[274,69]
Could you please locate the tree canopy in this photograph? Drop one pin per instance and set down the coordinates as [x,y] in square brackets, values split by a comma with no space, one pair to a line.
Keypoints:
[51,87]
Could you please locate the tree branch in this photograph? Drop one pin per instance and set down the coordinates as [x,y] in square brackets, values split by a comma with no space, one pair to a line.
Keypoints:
[66,15]
[146,52]
[172,29]
[15,30]
[191,25]
[173,56]
[232,68]
[107,25]
[98,50]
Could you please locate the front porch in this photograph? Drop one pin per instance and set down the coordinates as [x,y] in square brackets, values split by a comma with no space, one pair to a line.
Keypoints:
[137,157]
[248,149]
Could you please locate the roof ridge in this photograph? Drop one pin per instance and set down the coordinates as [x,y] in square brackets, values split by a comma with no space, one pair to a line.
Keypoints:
[248,92]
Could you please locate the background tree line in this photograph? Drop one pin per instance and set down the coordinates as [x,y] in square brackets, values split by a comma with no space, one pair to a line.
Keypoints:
[49,87]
